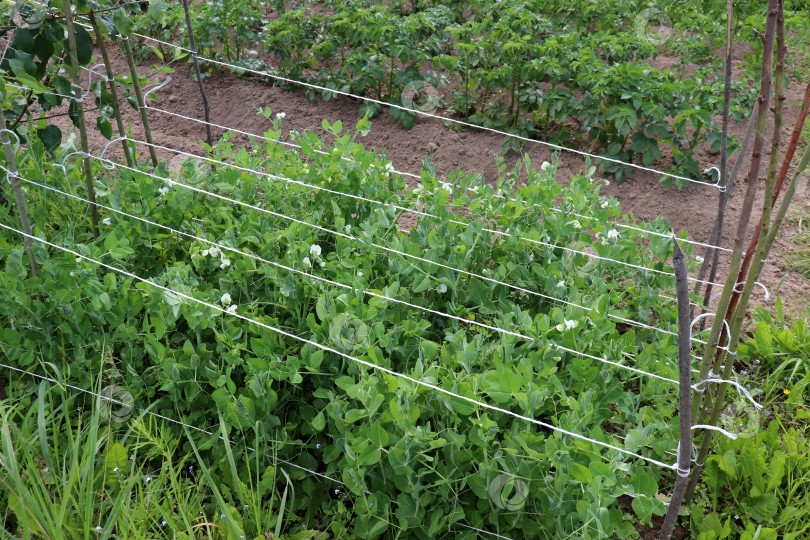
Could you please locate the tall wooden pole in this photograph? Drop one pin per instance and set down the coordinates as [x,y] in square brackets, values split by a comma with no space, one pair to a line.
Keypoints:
[74,67]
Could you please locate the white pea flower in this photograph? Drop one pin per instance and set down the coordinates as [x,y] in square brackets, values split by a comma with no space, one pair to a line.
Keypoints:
[567,325]
[78,259]
[72,274]
[699,259]
[231,309]
[225,299]
[213,251]
[447,187]
[315,250]
[605,204]
[281,115]
[225,263]
[442,288]
[348,228]
[163,191]
[475,189]
[612,234]
[389,167]
[561,283]
[307,262]
[576,224]
[323,264]
[359,272]
[545,166]
[106,221]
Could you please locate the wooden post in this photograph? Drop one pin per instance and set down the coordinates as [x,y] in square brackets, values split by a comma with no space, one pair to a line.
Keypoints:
[199,75]
[113,89]
[74,67]
[685,392]
[713,355]
[136,85]
[16,187]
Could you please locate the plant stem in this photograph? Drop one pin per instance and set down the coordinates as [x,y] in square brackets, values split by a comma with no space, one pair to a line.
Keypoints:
[16,187]
[136,85]
[685,390]
[199,76]
[113,89]
[711,257]
[74,67]
[712,350]
[770,198]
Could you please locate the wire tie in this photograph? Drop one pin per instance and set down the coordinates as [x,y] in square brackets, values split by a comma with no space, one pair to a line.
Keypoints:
[684,473]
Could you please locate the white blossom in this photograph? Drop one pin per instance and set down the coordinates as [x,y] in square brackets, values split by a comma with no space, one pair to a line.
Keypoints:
[281,115]
[78,259]
[315,250]
[699,259]
[106,221]
[225,263]
[442,288]
[561,283]
[225,299]
[213,251]
[576,224]
[605,204]
[163,191]
[72,274]
[567,325]
[545,166]
[389,167]
[231,308]
[307,262]
[475,189]
[447,187]
[612,234]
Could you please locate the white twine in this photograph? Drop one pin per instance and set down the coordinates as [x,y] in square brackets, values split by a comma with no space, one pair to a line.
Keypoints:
[430,115]
[379,246]
[359,361]
[741,390]
[342,285]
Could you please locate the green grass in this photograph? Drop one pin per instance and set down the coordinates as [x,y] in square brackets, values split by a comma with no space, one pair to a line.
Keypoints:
[761,481]
[798,256]
[69,473]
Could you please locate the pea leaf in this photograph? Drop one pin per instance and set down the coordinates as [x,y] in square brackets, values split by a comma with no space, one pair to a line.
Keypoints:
[123,23]
[51,137]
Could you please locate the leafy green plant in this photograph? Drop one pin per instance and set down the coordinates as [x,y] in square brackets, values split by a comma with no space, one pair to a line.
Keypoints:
[412,449]
[758,484]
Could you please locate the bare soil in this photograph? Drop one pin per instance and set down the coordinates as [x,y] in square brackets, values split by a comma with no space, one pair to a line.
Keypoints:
[234,102]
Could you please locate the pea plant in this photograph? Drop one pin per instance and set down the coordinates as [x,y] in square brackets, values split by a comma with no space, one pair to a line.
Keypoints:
[402,450]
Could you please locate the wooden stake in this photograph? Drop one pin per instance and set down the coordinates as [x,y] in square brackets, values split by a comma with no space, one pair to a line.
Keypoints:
[113,89]
[685,391]
[19,195]
[74,67]
[136,85]
[199,75]
[712,354]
